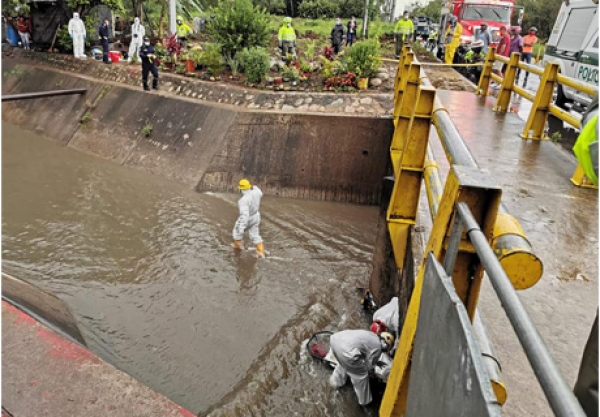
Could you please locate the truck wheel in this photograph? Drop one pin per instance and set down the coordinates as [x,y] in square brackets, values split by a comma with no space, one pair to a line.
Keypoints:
[561,99]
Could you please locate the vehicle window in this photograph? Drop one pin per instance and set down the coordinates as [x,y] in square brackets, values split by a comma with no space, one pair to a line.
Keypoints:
[577,25]
[500,14]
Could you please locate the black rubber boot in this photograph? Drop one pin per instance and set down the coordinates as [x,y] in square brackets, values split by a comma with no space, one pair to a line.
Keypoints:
[146,88]
[155,84]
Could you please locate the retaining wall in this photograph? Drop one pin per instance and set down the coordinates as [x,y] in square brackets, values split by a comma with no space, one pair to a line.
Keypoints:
[206,146]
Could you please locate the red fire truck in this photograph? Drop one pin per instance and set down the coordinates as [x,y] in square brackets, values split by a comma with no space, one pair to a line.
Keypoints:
[472,13]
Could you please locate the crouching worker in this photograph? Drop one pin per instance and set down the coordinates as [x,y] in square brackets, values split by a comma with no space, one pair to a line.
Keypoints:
[148,64]
[357,353]
[249,218]
[386,319]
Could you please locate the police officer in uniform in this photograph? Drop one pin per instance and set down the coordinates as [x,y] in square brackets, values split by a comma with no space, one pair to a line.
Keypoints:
[148,65]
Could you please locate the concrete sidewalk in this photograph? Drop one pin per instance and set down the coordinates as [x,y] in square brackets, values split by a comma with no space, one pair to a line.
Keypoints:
[43,374]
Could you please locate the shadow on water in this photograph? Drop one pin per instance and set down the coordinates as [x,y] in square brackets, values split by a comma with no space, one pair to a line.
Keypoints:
[146,267]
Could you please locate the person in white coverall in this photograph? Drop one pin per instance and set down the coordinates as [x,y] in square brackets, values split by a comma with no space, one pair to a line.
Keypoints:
[357,353]
[77,33]
[249,218]
[138,31]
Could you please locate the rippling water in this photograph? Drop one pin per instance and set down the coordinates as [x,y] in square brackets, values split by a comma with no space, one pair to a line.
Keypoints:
[145,265]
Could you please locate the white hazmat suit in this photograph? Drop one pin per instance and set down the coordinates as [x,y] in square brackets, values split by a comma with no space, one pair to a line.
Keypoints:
[78,34]
[357,352]
[389,315]
[138,31]
[249,218]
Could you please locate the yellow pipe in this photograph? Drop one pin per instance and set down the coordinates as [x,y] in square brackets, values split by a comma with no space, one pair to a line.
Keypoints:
[564,116]
[577,85]
[523,93]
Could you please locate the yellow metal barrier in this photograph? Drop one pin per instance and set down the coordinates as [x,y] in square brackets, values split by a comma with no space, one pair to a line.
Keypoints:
[416,106]
[542,100]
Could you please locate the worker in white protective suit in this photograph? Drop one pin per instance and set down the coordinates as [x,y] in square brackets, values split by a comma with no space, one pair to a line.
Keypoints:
[386,319]
[357,353]
[249,218]
[78,34]
[138,31]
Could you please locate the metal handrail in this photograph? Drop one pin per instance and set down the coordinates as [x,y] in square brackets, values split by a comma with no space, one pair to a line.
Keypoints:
[43,94]
[562,400]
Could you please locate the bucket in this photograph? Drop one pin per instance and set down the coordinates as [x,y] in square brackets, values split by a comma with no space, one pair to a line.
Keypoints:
[114,56]
[363,83]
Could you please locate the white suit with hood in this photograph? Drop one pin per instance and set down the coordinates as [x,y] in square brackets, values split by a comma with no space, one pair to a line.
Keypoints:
[77,32]
[249,218]
[138,31]
[389,315]
[357,352]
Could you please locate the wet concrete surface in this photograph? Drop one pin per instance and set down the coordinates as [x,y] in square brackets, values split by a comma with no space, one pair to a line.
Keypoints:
[561,222]
[45,375]
[145,266]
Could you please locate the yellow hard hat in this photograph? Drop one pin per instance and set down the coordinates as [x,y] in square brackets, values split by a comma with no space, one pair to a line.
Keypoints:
[388,338]
[244,184]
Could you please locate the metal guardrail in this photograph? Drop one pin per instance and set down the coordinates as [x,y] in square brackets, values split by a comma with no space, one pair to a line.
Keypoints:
[561,398]
[43,94]
[542,100]
[416,109]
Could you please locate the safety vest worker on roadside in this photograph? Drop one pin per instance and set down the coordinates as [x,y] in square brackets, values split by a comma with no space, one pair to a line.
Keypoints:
[183,30]
[403,32]
[287,39]
[586,146]
[453,34]
[249,218]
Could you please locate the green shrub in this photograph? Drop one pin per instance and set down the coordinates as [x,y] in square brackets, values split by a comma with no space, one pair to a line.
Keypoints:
[213,58]
[238,25]
[63,39]
[364,58]
[315,9]
[255,62]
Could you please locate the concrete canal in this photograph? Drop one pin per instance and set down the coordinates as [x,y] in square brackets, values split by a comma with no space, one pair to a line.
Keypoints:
[144,264]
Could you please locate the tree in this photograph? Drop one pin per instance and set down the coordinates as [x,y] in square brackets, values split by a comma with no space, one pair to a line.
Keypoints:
[433,10]
[541,14]
[239,24]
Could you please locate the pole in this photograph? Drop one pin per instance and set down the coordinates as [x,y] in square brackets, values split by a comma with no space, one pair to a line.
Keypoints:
[42,94]
[365,30]
[172,17]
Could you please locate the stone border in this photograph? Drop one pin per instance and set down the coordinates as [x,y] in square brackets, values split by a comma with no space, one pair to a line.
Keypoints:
[361,103]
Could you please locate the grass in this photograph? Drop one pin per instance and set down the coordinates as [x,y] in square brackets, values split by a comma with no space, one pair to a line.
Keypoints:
[556,137]
[538,48]
[322,27]
[86,118]
[147,130]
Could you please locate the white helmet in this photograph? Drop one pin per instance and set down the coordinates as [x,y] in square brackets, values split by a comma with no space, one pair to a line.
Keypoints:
[75,15]
[388,338]
[477,44]
[136,20]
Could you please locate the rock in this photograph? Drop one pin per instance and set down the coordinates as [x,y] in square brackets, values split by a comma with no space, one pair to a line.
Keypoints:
[383,75]
[298,102]
[308,100]
[375,82]
[337,103]
[287,107]
[355,104]
[349,109]
[249,97]
[366,100]
[313,107]
[360,110]
[268,105]
[303,107]
[383,70]
[212,79]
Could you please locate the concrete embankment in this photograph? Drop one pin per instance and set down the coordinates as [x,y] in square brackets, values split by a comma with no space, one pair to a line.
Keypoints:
[44,374]
[206,146]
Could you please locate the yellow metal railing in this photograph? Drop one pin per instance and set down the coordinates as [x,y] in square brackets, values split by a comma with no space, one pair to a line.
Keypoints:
[542,100]
[416,108]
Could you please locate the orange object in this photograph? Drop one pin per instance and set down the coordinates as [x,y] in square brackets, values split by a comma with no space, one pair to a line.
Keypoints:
[529,39]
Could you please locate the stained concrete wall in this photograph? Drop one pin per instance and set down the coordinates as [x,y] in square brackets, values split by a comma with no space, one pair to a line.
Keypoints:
[207,146]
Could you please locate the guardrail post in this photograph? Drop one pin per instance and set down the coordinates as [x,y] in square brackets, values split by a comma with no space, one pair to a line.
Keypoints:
[508,82]
[404,202]
[580,180]
[486,72]
[536,122]
[403,111]
[399,84]
[474,187]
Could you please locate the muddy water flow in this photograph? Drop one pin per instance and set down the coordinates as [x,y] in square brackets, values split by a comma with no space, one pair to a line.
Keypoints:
[144,264]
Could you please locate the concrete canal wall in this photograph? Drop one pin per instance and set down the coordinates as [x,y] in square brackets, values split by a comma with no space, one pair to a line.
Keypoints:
[207,146]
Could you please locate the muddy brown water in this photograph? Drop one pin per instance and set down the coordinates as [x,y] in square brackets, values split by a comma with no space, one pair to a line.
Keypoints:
[145,266]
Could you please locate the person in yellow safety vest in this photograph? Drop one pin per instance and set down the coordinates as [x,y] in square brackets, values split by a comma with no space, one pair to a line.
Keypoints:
[432,39]
[403,32]
[453,33]
[183,30]
[586,146]
[287,39]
